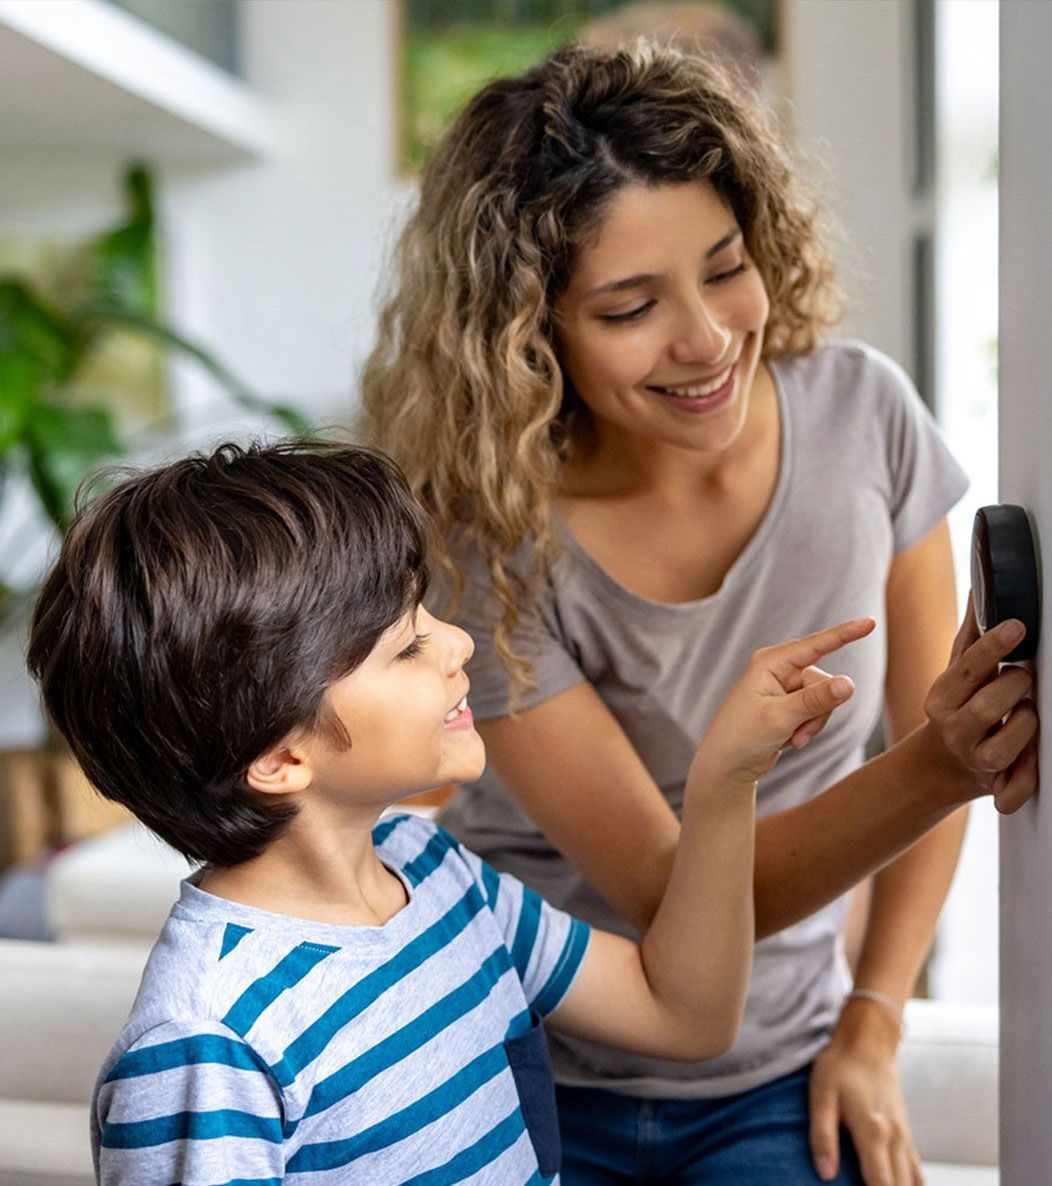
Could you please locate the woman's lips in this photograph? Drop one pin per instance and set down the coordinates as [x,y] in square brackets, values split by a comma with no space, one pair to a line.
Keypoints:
[707,402]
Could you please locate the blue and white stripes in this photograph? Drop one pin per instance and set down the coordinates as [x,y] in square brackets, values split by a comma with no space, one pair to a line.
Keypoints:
[268,1049]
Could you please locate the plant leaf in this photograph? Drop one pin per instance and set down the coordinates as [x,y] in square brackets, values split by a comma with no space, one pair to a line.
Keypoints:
[107,315]
[123,262]
[28,328]
[63,446]
[21,382]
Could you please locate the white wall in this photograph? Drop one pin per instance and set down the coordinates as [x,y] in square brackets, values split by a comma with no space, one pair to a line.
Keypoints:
[276,265]
[965,965]
[1026,479]
[847,72]
[273,266]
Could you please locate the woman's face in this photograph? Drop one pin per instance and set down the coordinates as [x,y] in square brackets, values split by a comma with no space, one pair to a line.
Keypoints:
[660,328]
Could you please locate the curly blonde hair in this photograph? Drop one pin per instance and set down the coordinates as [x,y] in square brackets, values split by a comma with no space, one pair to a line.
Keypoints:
[464,388]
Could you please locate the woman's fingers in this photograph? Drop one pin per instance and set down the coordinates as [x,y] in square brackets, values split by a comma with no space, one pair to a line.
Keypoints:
[988,732]
[968,631]
[999,751]
[974,666]
[873,1145]
[1016,785]
[903,1161]
[824,1125]
[995,700]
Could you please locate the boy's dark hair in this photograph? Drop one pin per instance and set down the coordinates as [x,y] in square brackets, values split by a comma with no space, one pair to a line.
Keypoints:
[198,612]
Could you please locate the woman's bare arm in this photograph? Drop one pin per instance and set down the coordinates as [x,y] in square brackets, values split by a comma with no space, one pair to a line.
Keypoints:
[572,769]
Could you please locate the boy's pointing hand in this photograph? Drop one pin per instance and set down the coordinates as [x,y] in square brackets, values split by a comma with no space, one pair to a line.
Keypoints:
[783,699]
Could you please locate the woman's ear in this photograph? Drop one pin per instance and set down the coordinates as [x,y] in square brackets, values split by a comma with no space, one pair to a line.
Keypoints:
[284,769]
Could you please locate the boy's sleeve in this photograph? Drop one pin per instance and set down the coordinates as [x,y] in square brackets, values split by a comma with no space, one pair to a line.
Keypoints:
[194,1106]
[547,945]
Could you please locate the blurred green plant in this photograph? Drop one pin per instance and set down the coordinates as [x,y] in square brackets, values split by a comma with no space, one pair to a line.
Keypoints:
[46,431]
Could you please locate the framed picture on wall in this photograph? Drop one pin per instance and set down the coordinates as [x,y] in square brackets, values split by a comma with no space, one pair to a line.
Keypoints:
[449,49]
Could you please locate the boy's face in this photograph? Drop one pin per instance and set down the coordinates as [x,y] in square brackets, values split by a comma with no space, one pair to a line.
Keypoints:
[405,711]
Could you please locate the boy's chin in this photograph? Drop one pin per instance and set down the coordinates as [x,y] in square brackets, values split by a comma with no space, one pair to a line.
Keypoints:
[471,764]
[468,771]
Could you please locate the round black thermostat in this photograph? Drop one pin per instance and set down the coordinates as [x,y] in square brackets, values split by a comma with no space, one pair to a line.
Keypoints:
[1005,581]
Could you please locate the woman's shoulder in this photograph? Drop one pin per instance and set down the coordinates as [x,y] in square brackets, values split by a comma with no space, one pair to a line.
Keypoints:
[848,379]
[844,366]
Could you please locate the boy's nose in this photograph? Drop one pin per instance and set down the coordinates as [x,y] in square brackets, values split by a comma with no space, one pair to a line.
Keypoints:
[460,648]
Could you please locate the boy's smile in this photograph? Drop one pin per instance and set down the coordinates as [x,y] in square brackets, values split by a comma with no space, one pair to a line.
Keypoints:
[405,711]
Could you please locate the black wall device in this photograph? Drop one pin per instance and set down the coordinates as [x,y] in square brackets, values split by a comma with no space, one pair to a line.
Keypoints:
[1005,580]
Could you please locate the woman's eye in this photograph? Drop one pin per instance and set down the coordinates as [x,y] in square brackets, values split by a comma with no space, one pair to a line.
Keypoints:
[631,315]
[415,647]
[723,277]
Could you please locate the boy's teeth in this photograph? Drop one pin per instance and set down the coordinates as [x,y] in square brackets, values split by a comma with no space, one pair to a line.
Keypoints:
[700,389]
[457,709]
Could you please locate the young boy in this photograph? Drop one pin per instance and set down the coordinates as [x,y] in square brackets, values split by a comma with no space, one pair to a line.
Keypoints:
[235,648]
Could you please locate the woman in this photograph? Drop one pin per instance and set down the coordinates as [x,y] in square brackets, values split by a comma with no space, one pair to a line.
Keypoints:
[601,368]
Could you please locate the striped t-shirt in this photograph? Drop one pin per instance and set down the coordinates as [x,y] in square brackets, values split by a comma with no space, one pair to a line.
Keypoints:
[263,1049]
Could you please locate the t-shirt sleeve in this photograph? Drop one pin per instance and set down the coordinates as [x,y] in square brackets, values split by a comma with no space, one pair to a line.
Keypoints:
[547,945]
[924,479]
[538,637]
[190,1105]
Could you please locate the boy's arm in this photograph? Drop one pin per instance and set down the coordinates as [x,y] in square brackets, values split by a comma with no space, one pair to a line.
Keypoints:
[189,1104]
[680,993]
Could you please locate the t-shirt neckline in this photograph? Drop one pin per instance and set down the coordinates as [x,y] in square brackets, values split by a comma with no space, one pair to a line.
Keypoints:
[198,905]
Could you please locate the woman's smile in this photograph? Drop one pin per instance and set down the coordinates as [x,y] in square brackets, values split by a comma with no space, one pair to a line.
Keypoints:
[695,398]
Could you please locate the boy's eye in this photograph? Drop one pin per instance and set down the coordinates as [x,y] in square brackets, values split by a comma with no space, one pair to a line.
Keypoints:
[631,315]
[415,647]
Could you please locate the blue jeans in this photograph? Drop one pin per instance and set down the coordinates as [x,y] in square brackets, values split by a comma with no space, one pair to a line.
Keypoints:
[757,1138]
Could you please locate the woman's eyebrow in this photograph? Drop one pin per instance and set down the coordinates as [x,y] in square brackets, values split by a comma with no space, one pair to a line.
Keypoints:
[621,285]
[647,277]
[726,241]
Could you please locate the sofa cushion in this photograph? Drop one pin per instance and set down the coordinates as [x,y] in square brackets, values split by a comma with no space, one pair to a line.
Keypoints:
[948,1064]
[44,1144]
[120,884]
[64,1005]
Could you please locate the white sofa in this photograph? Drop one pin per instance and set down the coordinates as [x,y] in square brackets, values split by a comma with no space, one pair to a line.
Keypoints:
[62,1006]
[63,1003]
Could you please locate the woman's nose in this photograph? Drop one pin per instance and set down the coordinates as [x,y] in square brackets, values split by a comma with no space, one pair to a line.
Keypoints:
[701,338]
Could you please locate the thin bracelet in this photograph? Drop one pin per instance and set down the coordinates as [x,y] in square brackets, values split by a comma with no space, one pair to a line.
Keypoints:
[881,998]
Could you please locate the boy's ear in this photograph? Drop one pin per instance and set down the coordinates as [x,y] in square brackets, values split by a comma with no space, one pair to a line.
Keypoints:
[284,769]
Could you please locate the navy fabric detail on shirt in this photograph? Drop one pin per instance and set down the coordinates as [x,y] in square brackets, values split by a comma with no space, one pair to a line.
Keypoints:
[532,1069]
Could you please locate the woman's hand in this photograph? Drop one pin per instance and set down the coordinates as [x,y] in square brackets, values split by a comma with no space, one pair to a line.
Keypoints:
[854,1083]
[981,726]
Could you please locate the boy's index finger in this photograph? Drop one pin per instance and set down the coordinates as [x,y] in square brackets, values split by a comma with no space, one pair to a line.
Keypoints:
[790,657]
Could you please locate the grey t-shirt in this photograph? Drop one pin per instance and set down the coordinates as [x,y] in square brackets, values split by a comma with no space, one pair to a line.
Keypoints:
[863,475]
